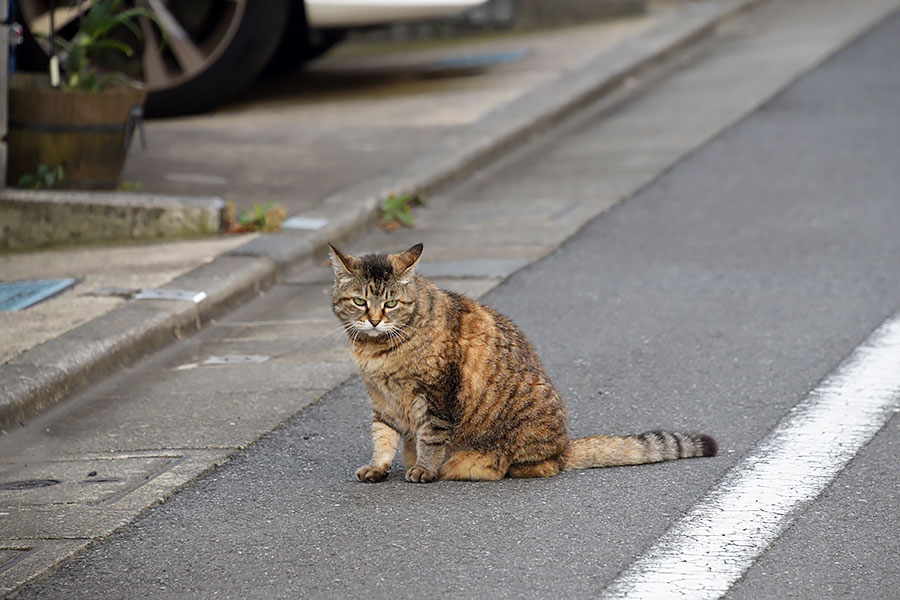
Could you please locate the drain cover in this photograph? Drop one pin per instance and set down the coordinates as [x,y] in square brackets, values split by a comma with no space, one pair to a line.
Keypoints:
[28,484]
[16,295]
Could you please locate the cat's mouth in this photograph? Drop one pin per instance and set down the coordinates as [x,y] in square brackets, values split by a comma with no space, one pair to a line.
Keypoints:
[370,330]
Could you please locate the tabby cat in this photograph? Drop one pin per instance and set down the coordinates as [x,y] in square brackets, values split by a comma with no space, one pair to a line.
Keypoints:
[461,387]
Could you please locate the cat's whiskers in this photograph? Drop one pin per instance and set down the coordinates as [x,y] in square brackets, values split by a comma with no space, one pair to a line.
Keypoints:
[396,336]
[401,334]
[401,331]
[392,339]
[341,328]
[353,331]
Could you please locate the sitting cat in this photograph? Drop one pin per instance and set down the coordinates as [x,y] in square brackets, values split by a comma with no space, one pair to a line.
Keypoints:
[461,387]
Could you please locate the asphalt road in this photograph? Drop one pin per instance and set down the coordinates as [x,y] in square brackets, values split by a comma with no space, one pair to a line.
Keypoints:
[713,300]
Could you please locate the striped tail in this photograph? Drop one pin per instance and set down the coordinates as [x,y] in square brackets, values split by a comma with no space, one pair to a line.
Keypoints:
[650,447]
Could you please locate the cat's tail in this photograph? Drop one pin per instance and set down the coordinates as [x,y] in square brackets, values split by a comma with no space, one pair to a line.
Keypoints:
[650,447]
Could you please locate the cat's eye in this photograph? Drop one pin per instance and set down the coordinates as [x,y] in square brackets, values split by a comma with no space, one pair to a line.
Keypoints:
[359,301]
[390,304]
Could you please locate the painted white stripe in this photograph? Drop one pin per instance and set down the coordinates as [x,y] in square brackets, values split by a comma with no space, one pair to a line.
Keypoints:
[704,553]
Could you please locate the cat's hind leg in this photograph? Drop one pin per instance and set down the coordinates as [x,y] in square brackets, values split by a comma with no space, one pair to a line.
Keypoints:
[546,468]
[471,465]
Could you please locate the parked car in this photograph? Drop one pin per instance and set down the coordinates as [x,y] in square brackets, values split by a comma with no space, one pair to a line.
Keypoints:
[213,49]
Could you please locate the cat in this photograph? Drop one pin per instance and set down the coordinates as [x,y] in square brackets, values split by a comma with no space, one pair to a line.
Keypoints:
[461,387]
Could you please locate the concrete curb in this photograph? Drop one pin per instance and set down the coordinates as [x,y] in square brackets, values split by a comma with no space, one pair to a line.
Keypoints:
[45,374]
[33,219]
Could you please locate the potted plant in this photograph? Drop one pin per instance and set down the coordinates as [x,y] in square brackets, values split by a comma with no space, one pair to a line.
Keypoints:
[84,121]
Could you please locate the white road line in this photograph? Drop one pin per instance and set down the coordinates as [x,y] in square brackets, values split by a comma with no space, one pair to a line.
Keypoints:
[704,553]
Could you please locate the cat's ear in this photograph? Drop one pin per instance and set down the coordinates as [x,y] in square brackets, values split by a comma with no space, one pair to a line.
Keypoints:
[407,261]
[343,264]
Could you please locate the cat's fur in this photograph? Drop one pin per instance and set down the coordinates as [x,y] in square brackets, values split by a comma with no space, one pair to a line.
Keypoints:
[461,387]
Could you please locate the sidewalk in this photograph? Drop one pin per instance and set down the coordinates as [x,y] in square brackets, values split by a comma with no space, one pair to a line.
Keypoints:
[329,155]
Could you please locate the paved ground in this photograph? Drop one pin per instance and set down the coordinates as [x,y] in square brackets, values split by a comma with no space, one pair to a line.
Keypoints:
[714,299]
[354,114]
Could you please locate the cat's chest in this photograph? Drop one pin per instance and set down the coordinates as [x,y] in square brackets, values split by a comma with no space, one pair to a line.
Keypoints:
[396,387]
[374,364]
[399,370]
[395,381]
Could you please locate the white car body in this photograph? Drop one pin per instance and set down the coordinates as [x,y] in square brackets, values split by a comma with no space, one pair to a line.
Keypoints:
[340,14]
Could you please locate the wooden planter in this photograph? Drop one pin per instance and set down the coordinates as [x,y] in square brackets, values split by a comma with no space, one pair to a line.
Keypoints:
[87,133]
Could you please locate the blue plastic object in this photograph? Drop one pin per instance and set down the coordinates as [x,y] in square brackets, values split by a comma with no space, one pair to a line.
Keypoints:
[16,295]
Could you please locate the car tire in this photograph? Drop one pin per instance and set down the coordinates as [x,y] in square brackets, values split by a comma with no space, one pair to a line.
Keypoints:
[300,44]
[258,36]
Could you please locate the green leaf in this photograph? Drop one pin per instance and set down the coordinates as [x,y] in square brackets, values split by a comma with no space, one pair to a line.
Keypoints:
[97,15]
[63,43]
[405,218]
[112,45]
[125,18]
[26,181]
[397,209]
[44,176]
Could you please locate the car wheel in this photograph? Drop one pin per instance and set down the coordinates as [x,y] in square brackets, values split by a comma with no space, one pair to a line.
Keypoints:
[212,50]
[300,44]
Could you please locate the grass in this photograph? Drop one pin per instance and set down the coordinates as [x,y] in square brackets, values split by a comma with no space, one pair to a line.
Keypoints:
[395,211]
[265,217]
[44,177]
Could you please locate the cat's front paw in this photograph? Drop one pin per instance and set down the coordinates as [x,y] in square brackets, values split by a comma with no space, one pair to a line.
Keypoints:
[419,474]
[370,474]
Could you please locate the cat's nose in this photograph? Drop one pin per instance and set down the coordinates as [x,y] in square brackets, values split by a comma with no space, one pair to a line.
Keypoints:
[374,322]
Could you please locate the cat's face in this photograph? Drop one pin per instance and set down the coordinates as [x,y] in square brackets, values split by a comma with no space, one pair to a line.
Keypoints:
[375,295]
